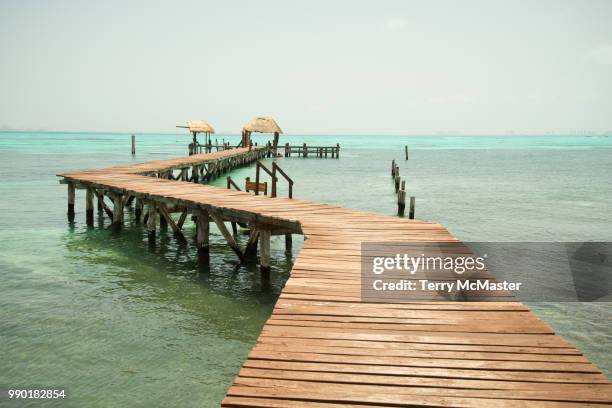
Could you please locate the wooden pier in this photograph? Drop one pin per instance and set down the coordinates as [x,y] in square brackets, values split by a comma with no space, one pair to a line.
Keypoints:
[322,346]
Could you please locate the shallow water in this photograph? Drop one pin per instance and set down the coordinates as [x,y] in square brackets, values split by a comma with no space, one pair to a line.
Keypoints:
[118,323]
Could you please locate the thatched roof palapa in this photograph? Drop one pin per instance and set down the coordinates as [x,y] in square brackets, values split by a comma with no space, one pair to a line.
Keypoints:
[263,124]
[199,126]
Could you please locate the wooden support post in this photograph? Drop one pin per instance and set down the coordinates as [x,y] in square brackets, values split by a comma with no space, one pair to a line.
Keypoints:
[71,195]
[99,201]
[234,228]
[337,150]
[403,186]
[228,237]
[397,172]
[305,151]
[406,150]
[103,204]
[288,242]
[397,183]
[264,253]
[133,145]
[163,223]
[412,205]
[117,211]
[138,209]
[257,180]
[89,216]
[163,210]
[251,246]
[151,222]
[287,148]
[195,171]
[203,232]
[275,144]
[182,219]
[401,202]
[393,168]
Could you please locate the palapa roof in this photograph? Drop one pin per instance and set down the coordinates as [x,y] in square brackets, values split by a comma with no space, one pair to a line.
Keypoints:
[200,126]
[262,124]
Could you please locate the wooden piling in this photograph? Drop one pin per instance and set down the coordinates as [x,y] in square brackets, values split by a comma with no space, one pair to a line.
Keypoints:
[393,168]
[138,209]
[203,232]
[251,246]
[337,150]
[288,242]
[406,151]
[412,205]
[151,221]
[71,195]
[117,210]
[89,207]
[264,253]
[99,200]
[133,145]
[397,183]
[163,223]
[195,173]
[401,202]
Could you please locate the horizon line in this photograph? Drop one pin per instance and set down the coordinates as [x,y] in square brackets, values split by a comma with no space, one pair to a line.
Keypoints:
[436,134]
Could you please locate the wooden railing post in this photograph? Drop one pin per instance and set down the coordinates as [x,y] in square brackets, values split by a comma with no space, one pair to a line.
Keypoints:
[257,178]
[273,193]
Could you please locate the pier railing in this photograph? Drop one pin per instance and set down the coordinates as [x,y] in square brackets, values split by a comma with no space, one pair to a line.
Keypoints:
[318,151]
[276,168]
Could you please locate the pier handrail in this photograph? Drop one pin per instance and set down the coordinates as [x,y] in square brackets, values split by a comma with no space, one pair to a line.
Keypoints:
[275,168]
[260,165]
[231,183]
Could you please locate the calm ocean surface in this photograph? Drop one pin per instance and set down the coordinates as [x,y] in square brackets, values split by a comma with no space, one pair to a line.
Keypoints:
[119,324]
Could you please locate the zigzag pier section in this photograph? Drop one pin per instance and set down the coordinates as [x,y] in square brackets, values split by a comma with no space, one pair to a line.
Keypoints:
[323,346]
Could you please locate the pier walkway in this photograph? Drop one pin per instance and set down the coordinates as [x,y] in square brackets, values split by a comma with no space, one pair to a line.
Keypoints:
[323,347]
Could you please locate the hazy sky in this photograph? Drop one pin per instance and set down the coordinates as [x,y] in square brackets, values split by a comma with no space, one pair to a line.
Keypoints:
[368,67]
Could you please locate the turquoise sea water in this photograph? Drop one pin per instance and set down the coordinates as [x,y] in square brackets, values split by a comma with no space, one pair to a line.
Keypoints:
[120,324]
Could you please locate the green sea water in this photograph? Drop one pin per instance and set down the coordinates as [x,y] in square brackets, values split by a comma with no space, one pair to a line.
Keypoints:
[117,323]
